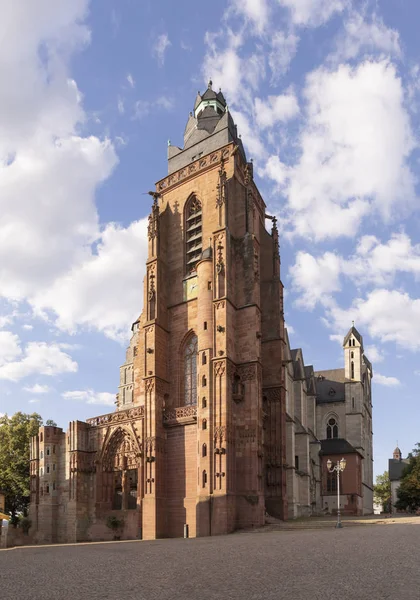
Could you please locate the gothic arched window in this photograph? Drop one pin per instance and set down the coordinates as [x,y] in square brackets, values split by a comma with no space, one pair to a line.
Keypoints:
[193,234]
[352,370]
[332,428]
[190,371]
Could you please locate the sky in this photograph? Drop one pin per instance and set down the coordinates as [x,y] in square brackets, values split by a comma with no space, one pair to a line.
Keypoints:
[325,94]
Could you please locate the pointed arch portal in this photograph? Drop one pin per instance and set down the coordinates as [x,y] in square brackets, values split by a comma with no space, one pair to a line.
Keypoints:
[120,466]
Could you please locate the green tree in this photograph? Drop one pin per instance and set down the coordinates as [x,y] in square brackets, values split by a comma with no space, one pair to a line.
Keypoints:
[50,423]
[382,491]
[15,434]
[409,491]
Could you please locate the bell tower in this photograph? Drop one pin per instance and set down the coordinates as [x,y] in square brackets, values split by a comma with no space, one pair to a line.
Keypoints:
[208,363]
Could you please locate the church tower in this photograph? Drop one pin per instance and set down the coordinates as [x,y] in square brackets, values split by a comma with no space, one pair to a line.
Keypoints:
[358,374]
[208,367]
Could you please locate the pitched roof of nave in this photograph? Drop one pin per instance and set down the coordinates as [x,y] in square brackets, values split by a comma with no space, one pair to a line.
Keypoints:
[337,446]
[353,331]
[396,468]
[330,386]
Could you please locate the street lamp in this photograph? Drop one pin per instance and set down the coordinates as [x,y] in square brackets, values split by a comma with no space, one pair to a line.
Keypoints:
[338,468]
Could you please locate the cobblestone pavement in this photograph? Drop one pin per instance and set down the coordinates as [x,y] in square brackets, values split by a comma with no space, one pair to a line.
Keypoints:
[363,563]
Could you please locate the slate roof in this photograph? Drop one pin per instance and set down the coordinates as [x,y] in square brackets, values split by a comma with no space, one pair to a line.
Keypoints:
[396,468]
[330,386]
[353,331]
[337,446]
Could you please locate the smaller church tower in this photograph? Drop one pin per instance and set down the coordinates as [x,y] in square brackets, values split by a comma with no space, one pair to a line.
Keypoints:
[353,352]
[397,454]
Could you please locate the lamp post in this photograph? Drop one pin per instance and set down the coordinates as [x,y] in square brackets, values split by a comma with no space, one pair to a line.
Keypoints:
[338,468]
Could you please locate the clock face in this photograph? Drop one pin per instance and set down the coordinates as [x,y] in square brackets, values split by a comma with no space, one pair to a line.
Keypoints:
[190,288]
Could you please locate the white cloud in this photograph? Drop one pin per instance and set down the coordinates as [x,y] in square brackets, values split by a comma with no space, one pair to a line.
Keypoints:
[131,81]
[9,347]
[160,47]
[254,145]
[165,103]
[388,381]
[388,315]
[90,397]
[312,13]
[276,109]
[120,105]
[366,35]
[283,47]
[255,11]
[27,327]
[378,263]
[39,358]
[374,354]
[48,172]
[353,152]
[224,67]
[33,400]
[315,279]
[99,293]
[290,329]
[38,389]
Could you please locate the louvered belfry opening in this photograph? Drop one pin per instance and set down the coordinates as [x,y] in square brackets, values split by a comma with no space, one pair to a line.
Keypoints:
[193,234]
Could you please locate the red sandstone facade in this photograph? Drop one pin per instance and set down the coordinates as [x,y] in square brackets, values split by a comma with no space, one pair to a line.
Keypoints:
[198,437]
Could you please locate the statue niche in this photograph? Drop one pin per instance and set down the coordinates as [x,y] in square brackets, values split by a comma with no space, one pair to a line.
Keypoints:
[120,466]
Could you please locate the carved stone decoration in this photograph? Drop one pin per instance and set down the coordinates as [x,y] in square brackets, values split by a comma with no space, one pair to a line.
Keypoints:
[219,368]
[121,452]
[256,261]
[200,164]
[220,433]
[121,415]
[179,413]
[221,186]
[245,434]
[247,372]
[247,175]
[153,226]
[220,304]
[149,385]
[220,265]
[272,394]
[152,292]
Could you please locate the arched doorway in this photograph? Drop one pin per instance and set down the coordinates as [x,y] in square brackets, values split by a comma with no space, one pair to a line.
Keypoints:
[120,468]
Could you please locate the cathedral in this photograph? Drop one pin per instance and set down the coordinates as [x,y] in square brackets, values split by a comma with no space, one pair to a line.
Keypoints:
[218,421]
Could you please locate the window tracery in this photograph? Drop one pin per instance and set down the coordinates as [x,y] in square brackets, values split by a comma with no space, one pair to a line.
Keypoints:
[190,371]
[332,428]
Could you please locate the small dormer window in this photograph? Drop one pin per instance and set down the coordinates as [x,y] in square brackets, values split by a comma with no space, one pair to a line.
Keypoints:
[331,392]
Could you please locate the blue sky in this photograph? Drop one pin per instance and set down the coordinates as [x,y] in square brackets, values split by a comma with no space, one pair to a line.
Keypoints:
[325,94]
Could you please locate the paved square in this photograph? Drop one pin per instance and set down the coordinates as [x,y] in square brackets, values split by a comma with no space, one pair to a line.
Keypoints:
[360,563]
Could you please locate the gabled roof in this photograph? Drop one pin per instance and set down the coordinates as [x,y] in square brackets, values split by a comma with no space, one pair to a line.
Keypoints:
[396,468]
[330,386]
[353,331]
[338,446]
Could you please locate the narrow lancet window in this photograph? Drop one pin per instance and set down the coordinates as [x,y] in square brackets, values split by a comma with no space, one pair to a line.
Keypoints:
[190,372]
